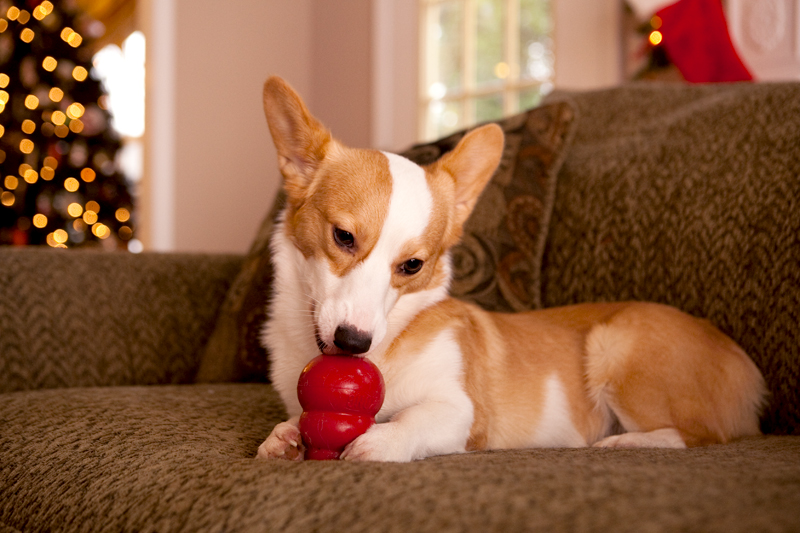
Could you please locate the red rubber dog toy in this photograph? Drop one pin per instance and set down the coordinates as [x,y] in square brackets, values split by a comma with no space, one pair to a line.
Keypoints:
[340,396]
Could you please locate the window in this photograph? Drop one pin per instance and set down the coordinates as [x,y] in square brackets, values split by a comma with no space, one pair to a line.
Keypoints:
[482,60]
[121,70]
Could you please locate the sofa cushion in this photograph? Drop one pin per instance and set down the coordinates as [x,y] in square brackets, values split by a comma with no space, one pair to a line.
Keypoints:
[86,318]
[179,458]
[497,264]
[689,196]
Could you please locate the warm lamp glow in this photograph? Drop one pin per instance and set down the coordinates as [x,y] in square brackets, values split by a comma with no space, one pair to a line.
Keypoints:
[39,220]
[655,38]
[71,184]
[31,102]
[7,198]
[88,175]
[79,73]
[26,146]
[58,118]
[75,110]
[56,94]
[101,231]
[49,63]
[656,22]
[75,209]
[501,70]
[31,176]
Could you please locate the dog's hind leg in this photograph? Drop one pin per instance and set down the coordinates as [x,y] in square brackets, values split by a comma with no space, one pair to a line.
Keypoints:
[659,438]
[671,380]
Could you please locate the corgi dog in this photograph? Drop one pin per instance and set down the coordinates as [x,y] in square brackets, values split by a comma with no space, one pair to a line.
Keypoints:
[362,266]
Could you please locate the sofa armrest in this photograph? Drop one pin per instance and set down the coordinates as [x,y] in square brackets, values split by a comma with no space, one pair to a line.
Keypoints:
[88,318]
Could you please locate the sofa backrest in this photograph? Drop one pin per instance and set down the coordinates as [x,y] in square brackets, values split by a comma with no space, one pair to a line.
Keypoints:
[84,319]
[690,196]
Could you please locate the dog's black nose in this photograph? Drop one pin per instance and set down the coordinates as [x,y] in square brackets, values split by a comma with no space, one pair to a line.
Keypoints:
[352,340]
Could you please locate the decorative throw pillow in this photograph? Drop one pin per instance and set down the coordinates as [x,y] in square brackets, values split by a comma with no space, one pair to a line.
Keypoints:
[497,265]
[234,351]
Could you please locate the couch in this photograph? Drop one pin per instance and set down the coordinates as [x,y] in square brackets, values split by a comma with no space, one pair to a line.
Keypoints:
[133,392]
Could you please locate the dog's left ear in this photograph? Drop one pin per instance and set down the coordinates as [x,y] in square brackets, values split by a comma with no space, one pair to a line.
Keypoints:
[472,163]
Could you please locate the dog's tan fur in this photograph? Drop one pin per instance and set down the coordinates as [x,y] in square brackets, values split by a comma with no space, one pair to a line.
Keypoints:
[657,367]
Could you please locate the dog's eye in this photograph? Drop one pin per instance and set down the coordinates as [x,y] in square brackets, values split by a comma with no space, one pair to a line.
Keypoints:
[343,238]
[412,266]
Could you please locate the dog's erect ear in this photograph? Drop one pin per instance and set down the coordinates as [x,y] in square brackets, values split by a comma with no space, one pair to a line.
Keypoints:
[300,139]
[472,163]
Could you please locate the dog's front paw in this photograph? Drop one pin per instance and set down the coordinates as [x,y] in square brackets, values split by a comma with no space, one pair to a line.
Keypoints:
[380,443]
[285,442]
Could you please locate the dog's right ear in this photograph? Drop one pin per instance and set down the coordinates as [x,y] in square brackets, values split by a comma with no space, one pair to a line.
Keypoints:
[300,139]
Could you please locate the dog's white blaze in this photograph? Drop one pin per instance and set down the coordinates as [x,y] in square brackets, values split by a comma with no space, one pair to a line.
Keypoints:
[555,427]
[364,297]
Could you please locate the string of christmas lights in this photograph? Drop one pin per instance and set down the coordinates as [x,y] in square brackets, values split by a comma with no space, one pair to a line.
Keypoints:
[59,183]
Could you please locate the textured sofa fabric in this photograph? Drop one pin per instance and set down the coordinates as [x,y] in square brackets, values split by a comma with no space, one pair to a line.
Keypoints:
[178,458]
[102,429]
[92,318]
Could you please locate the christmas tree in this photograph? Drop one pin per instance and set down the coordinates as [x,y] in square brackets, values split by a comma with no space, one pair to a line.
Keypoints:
[59,183]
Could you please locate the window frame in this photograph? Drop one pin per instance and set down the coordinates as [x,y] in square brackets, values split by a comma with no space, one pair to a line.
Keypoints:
[509,87]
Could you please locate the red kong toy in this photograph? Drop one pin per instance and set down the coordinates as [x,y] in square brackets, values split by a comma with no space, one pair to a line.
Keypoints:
[340,396]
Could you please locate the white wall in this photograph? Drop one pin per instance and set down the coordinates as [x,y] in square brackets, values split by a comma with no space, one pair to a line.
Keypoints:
[395,80]
[210,169]
[588,43]
[341,92]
